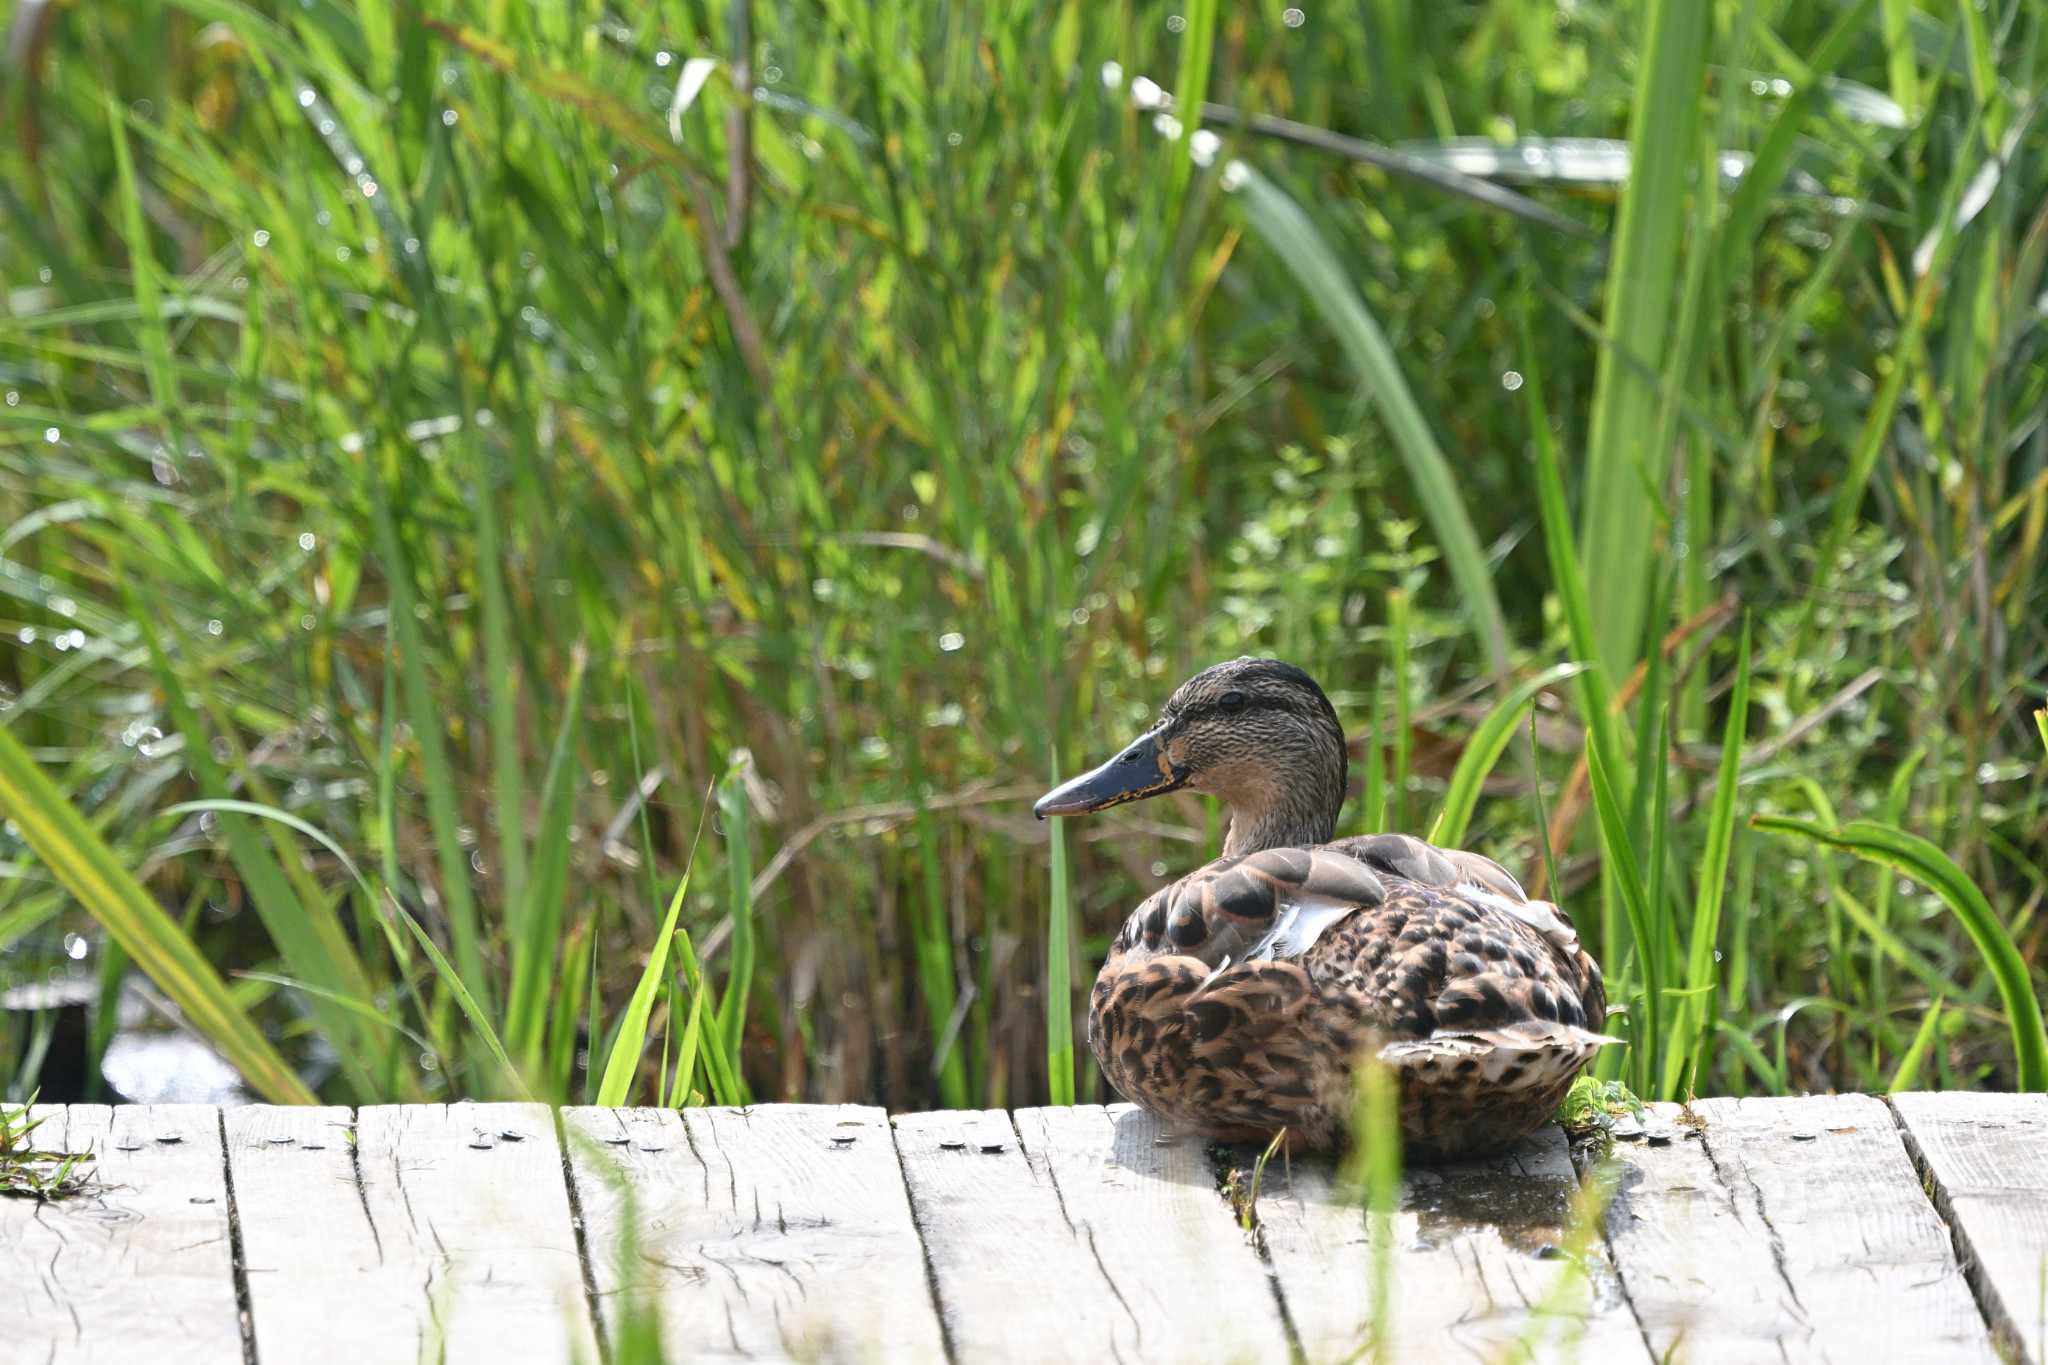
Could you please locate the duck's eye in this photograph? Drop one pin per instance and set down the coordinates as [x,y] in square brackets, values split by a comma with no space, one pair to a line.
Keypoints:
[1231,702]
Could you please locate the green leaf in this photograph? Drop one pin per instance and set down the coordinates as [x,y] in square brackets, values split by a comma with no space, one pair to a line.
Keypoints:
[79,859]
[1484,749]
[1924,863]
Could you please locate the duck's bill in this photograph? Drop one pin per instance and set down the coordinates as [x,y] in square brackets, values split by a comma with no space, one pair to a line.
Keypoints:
[1143,769]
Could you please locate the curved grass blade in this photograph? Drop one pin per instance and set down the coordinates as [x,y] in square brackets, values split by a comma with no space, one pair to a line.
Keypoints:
[1284,227]
[81,860]
[1923,862]
[1484,749]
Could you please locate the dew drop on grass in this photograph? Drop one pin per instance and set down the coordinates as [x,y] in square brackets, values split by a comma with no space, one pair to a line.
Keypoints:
[1176,23]
[1511,380]
[52,435]
[307,540]
[951,641]
[1293,18]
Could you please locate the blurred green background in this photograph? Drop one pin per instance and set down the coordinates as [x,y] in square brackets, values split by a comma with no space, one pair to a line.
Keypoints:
[482,485]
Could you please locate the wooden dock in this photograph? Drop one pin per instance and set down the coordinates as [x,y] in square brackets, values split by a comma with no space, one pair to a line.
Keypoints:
[1835,1228]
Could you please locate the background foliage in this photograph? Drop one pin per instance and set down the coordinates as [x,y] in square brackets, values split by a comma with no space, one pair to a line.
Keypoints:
[481,488]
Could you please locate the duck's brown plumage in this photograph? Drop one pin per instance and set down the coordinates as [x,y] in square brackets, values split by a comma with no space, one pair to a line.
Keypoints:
[1481,999]
[1237,1000]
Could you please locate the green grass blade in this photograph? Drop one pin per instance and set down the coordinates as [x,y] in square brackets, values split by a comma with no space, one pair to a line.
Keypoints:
[1646,1036]
[686,1054]
[1689,1042]
[536,936]
[1664,131]
[739,878]
[1286,229]
[623,1062]
[1907,1075]
[428,717]
[465,1000]
[83,863]
[1484,749]
[1059,991]
[1917,858]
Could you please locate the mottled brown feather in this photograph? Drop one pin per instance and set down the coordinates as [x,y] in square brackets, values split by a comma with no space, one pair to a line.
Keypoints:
[1433,958]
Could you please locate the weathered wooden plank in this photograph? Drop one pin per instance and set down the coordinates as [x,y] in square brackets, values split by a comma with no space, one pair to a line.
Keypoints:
[1015,1280]
[781,1232]
[143,1269]
[1988,1155]
[1147,1207]
[470,1207]
[1792,1229]
[1476,1264]
[321,1287]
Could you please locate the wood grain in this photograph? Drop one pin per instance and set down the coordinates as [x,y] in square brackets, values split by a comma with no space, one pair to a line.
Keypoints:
[321,1287]
[1147,1207]
[1478,1266]
[1988,1157]
[141,1270]
[470,1208]
[779,1232]
[1795,1229]
[1015,1280]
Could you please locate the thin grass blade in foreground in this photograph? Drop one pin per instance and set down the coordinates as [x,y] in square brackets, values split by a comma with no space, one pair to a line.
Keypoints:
[1922,861]
[1294,239]
[81,860]
[1059,990]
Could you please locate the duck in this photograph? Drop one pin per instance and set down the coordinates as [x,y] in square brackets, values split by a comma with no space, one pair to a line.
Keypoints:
[1237,1001]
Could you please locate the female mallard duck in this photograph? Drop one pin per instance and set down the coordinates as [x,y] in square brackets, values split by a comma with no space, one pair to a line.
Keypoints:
[1236,999]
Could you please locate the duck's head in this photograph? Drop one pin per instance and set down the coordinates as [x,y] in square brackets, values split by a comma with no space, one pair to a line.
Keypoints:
[1258,734]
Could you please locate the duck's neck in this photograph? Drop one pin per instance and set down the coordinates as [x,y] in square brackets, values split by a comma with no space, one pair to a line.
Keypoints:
[1291,811]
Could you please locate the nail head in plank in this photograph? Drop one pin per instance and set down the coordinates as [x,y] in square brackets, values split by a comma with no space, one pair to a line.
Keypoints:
[1146,1205]
[1988,1155]
[479,1223]
[142,1269]
[780,1231]
[1793,1229]
[1014,1280]
[1477,1262]
[321,1287]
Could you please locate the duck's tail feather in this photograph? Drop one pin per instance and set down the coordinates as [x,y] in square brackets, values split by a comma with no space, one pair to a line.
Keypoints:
[1532,1054]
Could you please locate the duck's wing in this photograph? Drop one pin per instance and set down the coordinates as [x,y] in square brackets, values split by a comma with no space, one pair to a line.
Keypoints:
[1270,905]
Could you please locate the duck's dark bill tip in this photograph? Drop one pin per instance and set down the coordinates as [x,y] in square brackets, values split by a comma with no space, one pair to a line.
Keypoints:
[1141,770]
